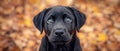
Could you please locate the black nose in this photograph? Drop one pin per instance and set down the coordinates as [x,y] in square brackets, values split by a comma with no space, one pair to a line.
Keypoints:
[59,32]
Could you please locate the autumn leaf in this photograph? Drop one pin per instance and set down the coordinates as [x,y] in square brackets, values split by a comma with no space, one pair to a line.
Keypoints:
[117,32]
[102,37]
[27,22]
[81,35]
[33,1]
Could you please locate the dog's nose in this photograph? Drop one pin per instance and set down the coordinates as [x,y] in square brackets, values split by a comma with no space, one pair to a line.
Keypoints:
[59,32]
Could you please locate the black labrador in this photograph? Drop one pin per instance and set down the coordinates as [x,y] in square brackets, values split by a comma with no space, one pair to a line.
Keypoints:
[60,24]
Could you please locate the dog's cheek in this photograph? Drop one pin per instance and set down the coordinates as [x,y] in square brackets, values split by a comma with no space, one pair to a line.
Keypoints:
[71,29]
[51,37]
[47,29]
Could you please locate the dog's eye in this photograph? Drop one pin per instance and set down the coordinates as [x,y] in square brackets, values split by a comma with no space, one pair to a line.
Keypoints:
[68,20]
[50,21]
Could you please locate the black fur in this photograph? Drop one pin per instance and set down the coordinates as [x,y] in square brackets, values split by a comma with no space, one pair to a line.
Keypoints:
[60,24]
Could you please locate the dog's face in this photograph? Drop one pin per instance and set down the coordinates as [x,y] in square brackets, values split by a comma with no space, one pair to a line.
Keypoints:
[60,23]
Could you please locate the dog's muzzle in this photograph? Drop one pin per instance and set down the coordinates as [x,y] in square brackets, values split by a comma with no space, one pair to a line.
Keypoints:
[59,32]
[59,35]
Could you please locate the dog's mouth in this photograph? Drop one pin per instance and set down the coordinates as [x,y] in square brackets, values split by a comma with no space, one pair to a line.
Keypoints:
[59,40]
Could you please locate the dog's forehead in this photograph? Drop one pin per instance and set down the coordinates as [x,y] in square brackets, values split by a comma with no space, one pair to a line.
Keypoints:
[59,10]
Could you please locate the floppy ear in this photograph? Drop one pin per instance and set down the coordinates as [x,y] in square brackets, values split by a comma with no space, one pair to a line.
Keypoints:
[80,18]
[38,20]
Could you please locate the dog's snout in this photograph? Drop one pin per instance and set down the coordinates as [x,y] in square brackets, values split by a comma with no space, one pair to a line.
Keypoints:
[59,32]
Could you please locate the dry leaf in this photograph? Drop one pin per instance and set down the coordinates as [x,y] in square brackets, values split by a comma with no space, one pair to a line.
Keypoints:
[102,37]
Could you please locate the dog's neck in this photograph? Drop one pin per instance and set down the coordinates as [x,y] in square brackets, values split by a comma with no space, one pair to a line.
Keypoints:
[74,45]
[61,48]
[64,47]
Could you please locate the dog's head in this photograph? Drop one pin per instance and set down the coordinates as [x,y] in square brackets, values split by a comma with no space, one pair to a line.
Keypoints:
[60,23]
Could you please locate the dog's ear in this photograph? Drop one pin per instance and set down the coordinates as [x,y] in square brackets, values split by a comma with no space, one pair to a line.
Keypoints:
[38,20]
[80,18]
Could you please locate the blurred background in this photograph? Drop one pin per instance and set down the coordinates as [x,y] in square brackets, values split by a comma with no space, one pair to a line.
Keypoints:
[101,31]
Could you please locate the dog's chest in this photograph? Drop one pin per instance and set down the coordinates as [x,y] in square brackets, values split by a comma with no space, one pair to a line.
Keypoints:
[61,49]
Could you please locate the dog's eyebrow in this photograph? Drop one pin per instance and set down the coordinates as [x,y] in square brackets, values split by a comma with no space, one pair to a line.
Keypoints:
[68,14]
[49,16]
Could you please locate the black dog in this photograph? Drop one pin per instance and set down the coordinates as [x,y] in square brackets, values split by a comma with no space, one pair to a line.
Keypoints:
[60,24]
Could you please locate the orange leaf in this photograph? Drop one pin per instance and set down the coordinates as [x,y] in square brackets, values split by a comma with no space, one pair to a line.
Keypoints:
[28,22]
[117,32]
[102,37]
[33,1]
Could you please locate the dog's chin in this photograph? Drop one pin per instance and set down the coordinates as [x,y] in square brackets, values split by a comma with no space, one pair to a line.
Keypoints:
[59,42]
